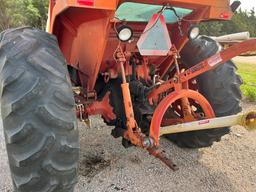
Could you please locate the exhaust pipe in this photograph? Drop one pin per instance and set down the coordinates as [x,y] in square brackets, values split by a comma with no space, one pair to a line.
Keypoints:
[248,120]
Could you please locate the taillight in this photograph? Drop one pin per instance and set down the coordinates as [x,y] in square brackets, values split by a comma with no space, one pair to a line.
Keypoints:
[225,15]
[86,2]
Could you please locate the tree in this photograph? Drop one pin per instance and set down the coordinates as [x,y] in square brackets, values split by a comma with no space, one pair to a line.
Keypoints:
[241,21]
[5,17]
[33,13]
[211,28]
[14,13]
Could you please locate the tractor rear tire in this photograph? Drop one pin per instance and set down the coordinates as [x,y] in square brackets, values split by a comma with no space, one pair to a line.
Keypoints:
[37,108]
[221,87]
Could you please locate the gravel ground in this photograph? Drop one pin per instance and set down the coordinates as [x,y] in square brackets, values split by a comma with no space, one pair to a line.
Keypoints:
[105,166]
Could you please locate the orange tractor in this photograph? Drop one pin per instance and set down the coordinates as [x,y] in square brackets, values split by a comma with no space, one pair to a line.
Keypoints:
[142,65]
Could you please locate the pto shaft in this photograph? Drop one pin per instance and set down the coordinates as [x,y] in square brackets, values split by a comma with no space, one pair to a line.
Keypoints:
[248,120]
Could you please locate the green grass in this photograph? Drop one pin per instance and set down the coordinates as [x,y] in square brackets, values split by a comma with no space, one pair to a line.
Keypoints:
[248,74]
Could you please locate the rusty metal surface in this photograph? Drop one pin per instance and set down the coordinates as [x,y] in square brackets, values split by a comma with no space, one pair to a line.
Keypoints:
[102,107]
[157,153]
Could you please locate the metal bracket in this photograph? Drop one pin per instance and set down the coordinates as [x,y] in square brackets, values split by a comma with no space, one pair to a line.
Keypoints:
[157,153]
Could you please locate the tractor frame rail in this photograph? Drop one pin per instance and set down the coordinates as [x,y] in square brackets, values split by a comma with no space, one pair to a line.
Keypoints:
[248,120]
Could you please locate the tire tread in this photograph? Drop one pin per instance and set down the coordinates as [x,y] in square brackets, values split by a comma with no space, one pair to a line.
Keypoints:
[38,134]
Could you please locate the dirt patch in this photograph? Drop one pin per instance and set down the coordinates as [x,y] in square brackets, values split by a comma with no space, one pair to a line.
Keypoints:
[116,188]
[135,159]
[93,163]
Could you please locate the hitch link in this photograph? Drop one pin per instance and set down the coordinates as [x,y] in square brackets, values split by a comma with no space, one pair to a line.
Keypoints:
[133,132]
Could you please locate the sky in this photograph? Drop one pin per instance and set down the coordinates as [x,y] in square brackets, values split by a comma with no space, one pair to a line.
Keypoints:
[248,4]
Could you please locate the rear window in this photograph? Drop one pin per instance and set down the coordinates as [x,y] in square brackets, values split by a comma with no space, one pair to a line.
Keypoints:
[138,12]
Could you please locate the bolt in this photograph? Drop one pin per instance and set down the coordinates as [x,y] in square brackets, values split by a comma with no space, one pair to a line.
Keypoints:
[175,79]
[148,142]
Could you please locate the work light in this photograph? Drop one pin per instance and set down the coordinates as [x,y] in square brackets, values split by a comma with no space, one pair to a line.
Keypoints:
[124,33]
[193,32]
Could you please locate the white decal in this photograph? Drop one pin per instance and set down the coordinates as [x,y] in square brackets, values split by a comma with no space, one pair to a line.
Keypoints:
[214,60]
